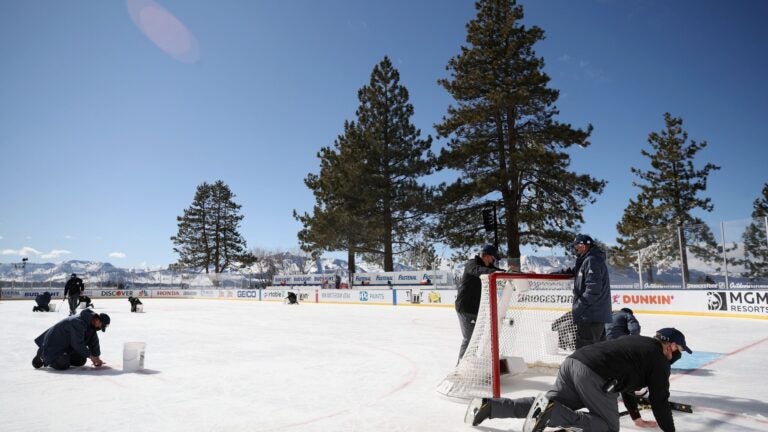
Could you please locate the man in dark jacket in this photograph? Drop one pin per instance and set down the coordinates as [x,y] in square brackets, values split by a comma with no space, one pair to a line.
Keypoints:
[135,302]
[592,377]
[85,299]
[72,291]
[624,324]
[468,296]
[71,341]
[42,300]
[591,292]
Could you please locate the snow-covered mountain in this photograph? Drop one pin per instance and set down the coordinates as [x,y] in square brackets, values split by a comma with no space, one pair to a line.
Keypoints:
[106,273]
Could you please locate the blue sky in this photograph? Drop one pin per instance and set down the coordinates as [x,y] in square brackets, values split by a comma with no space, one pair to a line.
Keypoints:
[112,112]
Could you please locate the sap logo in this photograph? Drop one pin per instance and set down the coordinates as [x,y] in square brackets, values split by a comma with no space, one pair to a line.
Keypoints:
[364,296]
[716,301]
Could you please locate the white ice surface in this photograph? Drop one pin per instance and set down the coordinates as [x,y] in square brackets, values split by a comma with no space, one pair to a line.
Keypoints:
[226,365]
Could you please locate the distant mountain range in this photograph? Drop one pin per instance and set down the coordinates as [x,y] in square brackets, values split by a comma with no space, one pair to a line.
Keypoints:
[106,273]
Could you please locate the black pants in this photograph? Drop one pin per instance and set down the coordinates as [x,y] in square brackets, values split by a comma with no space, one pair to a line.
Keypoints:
[68,359]
[43,308]
[73,302]
[589,333]
[467,326]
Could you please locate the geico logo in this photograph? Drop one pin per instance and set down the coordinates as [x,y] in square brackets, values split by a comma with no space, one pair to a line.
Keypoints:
[247,294]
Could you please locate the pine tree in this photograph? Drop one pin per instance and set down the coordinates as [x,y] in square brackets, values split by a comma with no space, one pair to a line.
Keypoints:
[504,139]
[660,221]
[394,158]
[756,241]
[422,256]
[340,217]
[208,239]
[368,199]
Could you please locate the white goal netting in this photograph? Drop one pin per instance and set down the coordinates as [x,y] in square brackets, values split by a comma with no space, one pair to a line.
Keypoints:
[533,326]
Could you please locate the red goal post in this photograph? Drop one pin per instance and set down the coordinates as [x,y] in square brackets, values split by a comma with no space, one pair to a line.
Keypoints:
[515,328]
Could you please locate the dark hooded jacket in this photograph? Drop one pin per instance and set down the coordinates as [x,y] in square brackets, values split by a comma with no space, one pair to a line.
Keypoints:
[43,299]
[634,362]
[74,287]
[468,295]
[70,334]
[592,289]
[624,324]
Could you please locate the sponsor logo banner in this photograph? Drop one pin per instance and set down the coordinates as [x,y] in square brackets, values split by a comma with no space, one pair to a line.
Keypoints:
[751,302]
[116,293]
[168,293]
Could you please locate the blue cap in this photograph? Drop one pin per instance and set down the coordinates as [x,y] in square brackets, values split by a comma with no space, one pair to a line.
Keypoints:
[582,239]
[490,250]
[671,334]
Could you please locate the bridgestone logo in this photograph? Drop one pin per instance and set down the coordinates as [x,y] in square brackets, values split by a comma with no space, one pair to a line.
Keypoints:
[546,298]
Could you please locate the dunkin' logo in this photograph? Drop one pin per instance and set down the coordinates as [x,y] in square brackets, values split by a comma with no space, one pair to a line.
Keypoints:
[716,301]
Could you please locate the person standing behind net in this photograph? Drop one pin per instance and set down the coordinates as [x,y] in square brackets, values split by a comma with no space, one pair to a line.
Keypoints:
[591,292]
[468,296]
[624,324]
[72,291]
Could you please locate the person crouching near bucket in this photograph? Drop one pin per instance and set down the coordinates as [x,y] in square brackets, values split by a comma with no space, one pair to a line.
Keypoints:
[71,341]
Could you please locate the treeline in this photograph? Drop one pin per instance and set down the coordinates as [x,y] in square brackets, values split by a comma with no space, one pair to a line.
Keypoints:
[507,151]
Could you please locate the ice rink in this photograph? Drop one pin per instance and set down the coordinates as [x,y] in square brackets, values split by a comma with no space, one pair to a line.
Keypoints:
[227,365]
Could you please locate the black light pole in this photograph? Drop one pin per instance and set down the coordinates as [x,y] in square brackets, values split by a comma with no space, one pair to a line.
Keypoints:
[489,222]
[24,271]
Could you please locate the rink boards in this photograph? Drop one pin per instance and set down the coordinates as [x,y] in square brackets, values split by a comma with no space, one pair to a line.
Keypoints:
[727,303]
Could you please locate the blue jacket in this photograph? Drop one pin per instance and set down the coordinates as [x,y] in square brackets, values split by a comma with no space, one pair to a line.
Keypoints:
[624,324]
[70,334]
[592,289]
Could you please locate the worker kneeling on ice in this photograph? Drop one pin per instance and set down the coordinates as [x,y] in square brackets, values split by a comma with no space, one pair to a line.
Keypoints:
[291,298]
[592,377]
[43,301]
[71,341]
[135,302]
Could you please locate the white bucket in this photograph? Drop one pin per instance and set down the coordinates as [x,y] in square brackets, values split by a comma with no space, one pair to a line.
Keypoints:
[51,307]
[140,308]
[133,356]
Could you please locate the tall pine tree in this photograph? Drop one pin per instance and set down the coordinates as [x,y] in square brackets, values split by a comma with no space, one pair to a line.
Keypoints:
[661,217]
[756,240]
[341,217]
[368,196]
[208,239]
[505,141]
[395,157]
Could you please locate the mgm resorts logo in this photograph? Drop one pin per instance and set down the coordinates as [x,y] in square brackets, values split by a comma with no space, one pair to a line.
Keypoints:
[716,301]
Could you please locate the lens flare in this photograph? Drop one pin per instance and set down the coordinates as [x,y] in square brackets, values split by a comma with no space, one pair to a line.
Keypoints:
[164,30]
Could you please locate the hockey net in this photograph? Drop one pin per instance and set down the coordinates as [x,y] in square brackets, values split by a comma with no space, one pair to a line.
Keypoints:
[523,319]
